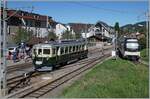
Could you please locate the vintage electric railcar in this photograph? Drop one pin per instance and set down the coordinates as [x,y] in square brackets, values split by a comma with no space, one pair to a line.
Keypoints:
[129,48]
[47,56]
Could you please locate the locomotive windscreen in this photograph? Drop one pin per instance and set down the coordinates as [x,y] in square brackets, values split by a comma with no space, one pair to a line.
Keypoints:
[132,44]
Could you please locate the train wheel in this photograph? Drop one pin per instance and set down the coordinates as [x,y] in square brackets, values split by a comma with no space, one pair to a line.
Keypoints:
[119,54]
[137,58]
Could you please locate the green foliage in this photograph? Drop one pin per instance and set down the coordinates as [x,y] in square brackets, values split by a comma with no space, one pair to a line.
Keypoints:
[52,36]
[112,79]
[77,35]
[67,35]
[144,55]
[142,42]
[129,28]
[117,28]
[22,35]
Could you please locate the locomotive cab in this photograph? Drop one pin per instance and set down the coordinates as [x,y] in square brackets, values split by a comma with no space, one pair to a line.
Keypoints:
[41,57]
[132,48]
[47,56]
[129,48]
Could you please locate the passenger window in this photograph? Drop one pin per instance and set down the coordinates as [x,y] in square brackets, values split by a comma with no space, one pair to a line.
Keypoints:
[46,51]
[62,50]
[82,47]
[54,51]
[70,49]
[57,48]
[39,51]
[73,48]
[66,50]
[77,48]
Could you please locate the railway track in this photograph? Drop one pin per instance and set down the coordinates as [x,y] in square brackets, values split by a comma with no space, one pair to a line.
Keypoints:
[13,68]
[41,89]
[18,79]
[13,82]
[141,62]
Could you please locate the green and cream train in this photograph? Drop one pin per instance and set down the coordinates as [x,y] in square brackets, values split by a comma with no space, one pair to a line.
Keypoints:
[47,56]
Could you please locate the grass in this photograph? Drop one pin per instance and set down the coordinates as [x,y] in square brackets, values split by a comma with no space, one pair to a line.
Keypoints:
[144,56]
[111,79]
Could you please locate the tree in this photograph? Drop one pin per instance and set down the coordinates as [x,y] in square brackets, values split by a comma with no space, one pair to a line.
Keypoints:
[77,35]
[67,35]
[117,28]
[22,35]
[52,36]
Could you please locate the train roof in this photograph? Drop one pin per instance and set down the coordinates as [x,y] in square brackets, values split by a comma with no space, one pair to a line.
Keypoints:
[60,43]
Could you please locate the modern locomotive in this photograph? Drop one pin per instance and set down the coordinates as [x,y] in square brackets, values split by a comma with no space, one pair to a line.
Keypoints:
[47,56]
[128,47]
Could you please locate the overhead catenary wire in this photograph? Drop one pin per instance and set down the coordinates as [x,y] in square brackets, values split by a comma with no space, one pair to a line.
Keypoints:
[107,9]
[18,9]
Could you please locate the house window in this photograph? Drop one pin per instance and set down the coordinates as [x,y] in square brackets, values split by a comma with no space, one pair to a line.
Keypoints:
[103,30]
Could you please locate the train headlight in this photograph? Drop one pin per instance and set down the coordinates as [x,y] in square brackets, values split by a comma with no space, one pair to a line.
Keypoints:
[47,58]
[38,62]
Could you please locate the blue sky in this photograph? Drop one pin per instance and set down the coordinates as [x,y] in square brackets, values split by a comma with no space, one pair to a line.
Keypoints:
[87,12]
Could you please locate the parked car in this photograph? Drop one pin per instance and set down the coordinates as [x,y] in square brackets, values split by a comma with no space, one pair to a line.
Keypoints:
[10,50]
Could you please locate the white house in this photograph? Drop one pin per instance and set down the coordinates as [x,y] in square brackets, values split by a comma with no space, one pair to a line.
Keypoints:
[98,29]
[61,28]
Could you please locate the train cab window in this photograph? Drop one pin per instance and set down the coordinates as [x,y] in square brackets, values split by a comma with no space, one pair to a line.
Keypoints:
[34,51]
[46,51]
[39,51]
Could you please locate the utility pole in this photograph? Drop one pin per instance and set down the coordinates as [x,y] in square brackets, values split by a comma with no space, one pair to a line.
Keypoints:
[147,32]
[116,44]
[3,83]
[86,36]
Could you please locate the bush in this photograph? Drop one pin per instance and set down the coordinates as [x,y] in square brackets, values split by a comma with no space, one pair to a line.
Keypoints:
[142,42]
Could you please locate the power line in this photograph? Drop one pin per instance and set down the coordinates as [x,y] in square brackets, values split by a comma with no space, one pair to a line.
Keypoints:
[106,9]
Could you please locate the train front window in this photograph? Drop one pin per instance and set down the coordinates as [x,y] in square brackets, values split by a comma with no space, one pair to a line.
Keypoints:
[46,51]
[132,44]
[39,51]
[34,51]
